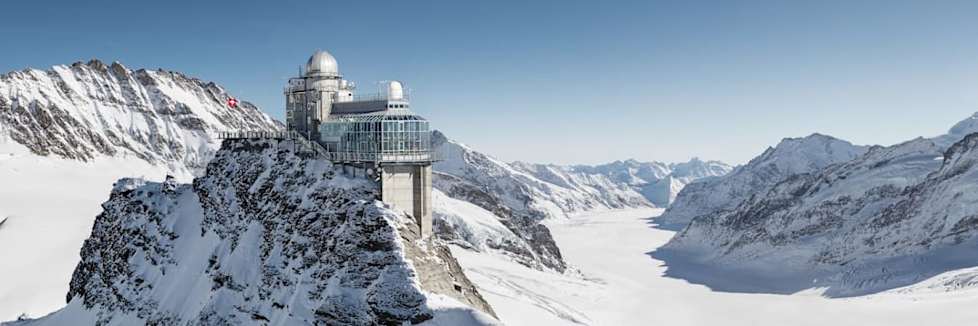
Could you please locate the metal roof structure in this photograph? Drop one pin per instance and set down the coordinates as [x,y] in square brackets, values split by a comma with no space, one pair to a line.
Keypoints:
[389,115]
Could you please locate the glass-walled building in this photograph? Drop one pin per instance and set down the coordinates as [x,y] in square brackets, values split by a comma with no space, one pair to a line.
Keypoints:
[388,136]
[373,134]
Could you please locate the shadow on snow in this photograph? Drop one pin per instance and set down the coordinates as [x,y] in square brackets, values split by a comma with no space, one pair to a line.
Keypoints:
[867,277]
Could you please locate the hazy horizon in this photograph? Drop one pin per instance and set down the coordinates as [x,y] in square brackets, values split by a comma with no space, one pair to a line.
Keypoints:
[655,81]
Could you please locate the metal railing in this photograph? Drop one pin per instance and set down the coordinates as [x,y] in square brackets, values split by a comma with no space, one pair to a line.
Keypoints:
[308,146]
[380,96]
[258,135]
[380,157]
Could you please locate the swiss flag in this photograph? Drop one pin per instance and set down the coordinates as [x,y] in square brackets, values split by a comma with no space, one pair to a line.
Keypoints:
[232,102]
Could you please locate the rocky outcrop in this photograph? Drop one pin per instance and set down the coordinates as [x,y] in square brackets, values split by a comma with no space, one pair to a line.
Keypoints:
[90,110]
[504,205]
[517,234]
[265,236]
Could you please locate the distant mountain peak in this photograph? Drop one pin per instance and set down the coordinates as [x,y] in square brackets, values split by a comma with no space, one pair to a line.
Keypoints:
[789,157]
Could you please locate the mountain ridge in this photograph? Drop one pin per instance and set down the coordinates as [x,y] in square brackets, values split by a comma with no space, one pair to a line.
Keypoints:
[88,110]
[790,156]
[891,217]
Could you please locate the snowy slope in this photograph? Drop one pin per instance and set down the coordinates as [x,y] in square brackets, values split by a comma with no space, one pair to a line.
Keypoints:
[515,199]
[890,218]
[791,156]
[491,206]
[552,197]
[621,285]
[958,131]
[67,134]
[265,237]
[468,216]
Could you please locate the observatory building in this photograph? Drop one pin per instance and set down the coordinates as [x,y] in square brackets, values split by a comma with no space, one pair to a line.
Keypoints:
[373,133]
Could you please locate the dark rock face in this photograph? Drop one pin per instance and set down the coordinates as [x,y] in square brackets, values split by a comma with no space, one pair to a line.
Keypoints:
[88,110]
[263,235]
[537,247]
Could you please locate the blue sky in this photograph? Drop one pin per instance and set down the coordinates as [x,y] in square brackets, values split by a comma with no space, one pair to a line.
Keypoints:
[563,81]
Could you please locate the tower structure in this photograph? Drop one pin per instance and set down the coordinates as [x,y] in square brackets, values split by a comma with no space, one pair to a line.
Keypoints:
[377,134]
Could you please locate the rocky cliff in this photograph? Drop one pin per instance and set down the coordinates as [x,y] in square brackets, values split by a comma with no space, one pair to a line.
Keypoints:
[69,132]
[264,237]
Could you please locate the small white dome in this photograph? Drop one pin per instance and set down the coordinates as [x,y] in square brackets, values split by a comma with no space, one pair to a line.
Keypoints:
[322,63]
[395,90]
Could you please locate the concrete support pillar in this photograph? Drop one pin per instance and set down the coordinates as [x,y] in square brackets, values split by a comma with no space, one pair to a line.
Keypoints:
[408,188]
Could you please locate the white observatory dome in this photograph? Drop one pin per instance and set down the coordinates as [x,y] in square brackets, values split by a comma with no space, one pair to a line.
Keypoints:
[322,63]
[395,90]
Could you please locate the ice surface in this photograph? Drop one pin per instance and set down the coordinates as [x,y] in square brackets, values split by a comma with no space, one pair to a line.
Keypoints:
[619,284]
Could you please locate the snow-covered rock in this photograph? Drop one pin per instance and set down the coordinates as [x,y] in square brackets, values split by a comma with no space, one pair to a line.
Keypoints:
[791,156]
[957,132]
[265,237]
[89,110]
[68,133]
[892,217]
[468,216]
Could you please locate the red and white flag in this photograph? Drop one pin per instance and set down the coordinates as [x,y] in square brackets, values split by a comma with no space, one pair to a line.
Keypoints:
[232,102]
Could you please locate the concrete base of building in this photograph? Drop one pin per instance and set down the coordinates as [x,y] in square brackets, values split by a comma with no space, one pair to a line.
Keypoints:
[408,188]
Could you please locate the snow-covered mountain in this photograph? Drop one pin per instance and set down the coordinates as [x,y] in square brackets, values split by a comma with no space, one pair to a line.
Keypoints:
[502,207]
[892,217]
[554,195]
[791,156]
[68,133]
[84,111]
[264,237]
[658,182]
[607,192]
[504,203]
